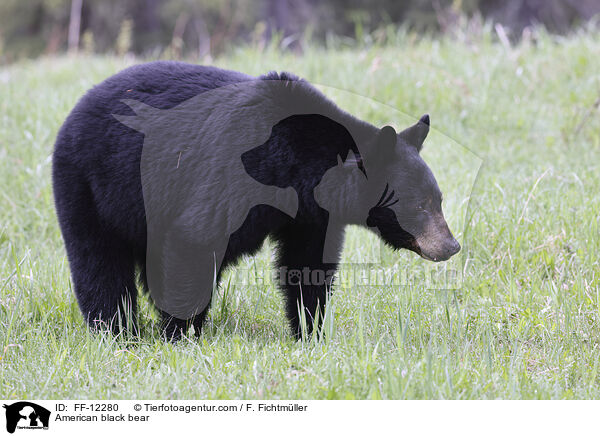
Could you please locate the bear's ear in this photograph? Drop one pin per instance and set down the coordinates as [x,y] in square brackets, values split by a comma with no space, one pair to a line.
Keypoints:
[415,135]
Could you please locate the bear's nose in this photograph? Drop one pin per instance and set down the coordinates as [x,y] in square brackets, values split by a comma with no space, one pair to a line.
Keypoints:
[453,248]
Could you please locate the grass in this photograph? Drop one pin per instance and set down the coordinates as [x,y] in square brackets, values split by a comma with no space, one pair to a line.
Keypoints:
[524,321]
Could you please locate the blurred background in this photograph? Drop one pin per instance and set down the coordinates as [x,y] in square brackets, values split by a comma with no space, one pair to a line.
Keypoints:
[197,29]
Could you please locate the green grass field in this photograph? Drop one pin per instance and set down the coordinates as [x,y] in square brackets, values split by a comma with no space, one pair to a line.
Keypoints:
[523,323]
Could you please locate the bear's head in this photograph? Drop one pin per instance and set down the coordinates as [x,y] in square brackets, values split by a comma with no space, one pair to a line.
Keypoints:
[403,197]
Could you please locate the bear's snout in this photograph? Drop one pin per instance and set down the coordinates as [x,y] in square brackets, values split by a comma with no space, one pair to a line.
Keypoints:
[449,250]
[443,254]
[438,244]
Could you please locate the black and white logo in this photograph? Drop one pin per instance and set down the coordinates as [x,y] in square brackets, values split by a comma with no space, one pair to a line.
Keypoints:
[26,415]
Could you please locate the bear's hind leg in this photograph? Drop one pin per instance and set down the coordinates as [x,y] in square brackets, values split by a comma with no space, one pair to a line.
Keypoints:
[105,285]
[184,277]
[102,265]
[174,328]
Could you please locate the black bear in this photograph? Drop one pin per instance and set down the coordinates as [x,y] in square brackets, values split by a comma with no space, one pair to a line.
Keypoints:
[178,170]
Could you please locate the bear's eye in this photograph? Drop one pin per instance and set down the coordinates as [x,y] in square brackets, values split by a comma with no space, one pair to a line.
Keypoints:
[424,204]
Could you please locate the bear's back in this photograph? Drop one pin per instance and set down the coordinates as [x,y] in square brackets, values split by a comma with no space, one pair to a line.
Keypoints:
[95,148]
[160,84]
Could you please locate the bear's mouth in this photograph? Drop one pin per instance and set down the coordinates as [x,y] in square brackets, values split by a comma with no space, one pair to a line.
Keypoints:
[431,258]
[424,256]
[417,249]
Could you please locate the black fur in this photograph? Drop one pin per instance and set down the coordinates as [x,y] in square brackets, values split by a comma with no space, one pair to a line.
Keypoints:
[100,206]
[98,194]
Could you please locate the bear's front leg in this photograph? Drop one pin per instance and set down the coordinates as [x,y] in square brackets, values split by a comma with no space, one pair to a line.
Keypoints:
[303,276]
